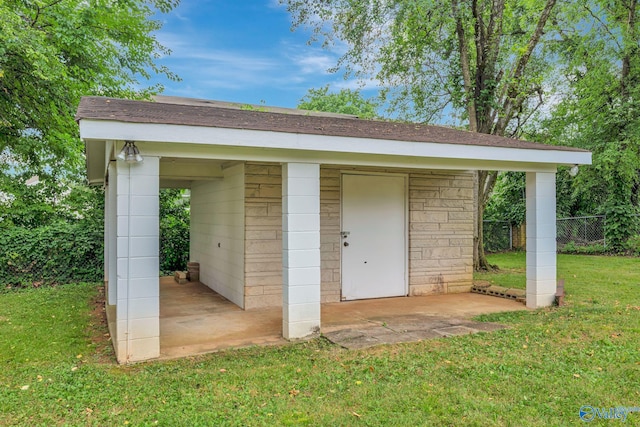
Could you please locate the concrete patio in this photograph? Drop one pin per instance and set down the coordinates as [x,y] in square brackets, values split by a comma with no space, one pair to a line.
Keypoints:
[194,319]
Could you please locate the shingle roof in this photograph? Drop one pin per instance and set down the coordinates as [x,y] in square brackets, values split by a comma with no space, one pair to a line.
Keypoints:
[181,111]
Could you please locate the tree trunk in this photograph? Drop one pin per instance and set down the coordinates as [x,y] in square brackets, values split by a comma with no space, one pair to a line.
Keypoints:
[482,181]
[630,50]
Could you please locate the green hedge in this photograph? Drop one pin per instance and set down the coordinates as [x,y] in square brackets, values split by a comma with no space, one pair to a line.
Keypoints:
[61,252]
[174,231]
[46,244]
[174,244]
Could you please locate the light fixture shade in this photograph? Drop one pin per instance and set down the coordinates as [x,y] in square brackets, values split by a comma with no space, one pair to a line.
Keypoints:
[574,170]
[130,153]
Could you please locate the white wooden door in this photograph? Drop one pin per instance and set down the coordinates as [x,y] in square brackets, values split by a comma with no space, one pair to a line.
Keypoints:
[373,236]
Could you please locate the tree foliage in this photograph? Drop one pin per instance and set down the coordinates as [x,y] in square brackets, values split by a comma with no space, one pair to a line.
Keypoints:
[50,234]
[600,111]
[486,61]
[345,101]
[508,199]
[55,51]
[174,231]
[44,203]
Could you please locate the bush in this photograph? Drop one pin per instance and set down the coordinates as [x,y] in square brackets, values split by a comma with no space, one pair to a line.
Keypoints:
[174,231]
[60,252]
[621,224]
[68,244]
[572,248]
[632,245]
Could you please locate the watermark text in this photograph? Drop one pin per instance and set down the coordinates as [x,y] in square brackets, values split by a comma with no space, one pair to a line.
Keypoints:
[589,413]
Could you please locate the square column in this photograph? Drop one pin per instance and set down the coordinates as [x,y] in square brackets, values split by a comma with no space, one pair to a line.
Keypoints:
[300,249]
[138,293]
[110,236]
[541,239]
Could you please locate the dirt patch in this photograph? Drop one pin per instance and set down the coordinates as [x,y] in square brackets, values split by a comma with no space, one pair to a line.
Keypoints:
[98,329]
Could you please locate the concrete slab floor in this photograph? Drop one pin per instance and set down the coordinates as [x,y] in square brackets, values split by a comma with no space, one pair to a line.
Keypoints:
[194,319]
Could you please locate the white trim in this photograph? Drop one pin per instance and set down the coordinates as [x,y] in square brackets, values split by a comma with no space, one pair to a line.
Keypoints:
[103,129]
[296,156]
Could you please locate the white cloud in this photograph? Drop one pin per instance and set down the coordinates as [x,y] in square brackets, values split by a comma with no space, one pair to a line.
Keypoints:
[221,60]
[315,64]
[352,84]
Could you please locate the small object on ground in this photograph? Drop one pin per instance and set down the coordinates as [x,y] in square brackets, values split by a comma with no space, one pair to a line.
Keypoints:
[499,291]
[180,277]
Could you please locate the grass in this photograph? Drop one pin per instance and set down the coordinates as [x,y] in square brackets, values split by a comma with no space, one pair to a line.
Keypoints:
[56,370]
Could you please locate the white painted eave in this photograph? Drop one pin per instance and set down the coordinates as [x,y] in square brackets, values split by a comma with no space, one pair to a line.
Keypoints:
[95,160]
[324,149]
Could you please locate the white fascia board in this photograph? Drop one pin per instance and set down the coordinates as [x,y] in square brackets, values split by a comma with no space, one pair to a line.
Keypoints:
[101,129]
[216,152]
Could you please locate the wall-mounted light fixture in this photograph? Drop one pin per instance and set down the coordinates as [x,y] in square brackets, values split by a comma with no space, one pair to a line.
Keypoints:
[574,170]
[130,153]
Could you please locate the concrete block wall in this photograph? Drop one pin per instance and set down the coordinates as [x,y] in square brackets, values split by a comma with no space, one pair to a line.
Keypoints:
[541,239]
[110,236]
[441,213]
[440,232]
[330,233]
[217,232]
[301,249]
[110,251]
[137,307]
[263,232]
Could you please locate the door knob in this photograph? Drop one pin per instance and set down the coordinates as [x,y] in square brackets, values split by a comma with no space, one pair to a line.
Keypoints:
[346,243]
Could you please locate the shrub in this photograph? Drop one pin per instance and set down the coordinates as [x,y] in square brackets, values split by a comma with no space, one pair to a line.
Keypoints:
[632,245]
[69,246]
[621,224]
[60,252]
[174,231]
[572,248]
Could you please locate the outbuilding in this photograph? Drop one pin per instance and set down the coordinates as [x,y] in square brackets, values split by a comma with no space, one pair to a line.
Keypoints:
[292,208]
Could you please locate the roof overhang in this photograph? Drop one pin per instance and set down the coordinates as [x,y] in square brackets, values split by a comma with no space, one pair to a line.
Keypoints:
[105,135]
[200,142]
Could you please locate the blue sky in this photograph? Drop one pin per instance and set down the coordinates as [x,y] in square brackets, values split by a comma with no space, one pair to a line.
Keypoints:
[243,51]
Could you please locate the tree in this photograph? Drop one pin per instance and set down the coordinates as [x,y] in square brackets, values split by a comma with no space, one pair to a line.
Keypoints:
[600,111]
[52,53]
[485,60]
[345,101]
[45,203]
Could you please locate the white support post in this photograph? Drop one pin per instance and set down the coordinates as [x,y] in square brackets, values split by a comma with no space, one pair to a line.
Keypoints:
[138,293]
[300,249]
[110,236]
[541,239]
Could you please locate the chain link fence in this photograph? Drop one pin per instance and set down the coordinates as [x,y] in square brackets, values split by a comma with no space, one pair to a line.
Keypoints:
[577,231]
[581,230]
[497,236]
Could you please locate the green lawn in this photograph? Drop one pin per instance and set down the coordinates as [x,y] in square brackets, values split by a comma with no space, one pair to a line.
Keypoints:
[55,370]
